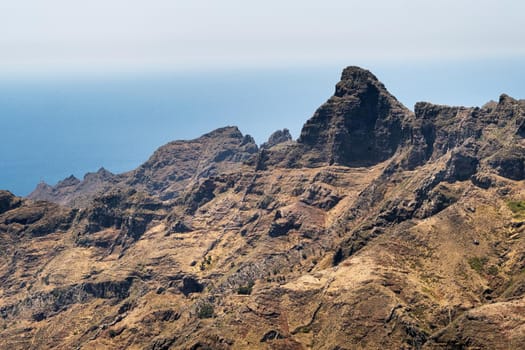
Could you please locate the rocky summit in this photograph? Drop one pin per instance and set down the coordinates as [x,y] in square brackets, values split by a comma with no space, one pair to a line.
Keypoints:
[379,228]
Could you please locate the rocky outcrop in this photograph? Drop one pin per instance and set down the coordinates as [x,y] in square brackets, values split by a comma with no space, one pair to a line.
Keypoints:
[278,137]
[190,285]
[173,166]
[128,211]
[361,125]
[485,139]
[74,192]
[43,305]
[8,201]
[20,217]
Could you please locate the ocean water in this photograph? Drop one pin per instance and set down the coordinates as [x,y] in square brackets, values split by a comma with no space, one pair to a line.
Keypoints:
[52,127]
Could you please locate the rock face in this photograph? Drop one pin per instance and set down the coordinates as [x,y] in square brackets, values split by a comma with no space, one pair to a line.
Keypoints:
[174,165]
[73,192]
[361,125]
[474,137]
[8,201]
[378,228]
[19,217]
[278,137]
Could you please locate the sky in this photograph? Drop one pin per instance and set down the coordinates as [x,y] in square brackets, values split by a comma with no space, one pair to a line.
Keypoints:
[64,36]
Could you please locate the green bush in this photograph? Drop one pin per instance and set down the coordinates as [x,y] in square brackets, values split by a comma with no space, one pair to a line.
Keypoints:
[477,263]
[205,311]
[517,207]
[305,329]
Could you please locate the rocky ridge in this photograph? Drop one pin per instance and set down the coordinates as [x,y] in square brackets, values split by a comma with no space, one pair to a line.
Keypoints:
[378,228]
[168,171]
[72,191]
[278,137]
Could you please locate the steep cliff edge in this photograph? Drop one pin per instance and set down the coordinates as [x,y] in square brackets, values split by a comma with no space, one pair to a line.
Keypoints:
[361,125]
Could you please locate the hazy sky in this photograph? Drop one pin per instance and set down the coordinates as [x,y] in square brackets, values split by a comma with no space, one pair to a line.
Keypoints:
[65,35]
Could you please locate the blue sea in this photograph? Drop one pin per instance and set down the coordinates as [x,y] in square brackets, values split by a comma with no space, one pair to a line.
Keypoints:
[52,127]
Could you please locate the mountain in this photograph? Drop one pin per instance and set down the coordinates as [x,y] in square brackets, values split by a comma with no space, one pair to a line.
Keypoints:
[378,228]
[165,174]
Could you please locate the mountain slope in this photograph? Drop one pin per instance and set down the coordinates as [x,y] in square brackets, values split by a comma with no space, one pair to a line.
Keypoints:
[378,228]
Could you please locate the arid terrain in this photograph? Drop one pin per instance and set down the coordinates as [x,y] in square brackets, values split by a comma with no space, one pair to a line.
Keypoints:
[378,228]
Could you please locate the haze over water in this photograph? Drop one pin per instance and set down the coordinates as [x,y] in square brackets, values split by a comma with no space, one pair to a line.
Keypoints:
[54,127]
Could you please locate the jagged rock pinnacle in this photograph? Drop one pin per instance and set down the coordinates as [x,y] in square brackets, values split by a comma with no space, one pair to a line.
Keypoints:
[277,137]
[360,125]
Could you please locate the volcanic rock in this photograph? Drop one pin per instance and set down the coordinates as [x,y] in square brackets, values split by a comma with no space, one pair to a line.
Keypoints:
[361,125]
[73,192]
[378,228]
[278,137]
[8,201]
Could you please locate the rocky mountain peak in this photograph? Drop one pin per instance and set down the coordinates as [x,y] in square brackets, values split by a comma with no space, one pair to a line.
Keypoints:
[71,180]
[504,99]
[355,79]
[74,192]
[102,174]
[225,132]
[362,124]
[279,136]
[175,164]
[40,187]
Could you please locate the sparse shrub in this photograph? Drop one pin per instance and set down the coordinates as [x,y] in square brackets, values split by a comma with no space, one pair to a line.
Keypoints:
[205,261]
[305,329]
[298,190]
[492,270]
[205,311]
[477,263]
[245,290]
[517,207]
